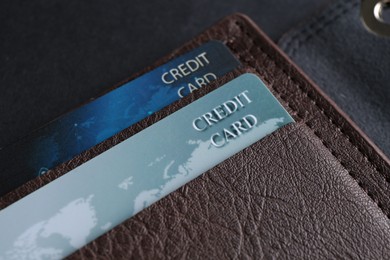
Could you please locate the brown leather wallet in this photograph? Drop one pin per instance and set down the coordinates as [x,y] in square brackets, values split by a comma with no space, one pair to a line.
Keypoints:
[317,188]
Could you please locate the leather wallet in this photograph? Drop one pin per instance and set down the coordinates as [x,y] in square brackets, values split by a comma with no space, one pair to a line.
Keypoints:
[317,188]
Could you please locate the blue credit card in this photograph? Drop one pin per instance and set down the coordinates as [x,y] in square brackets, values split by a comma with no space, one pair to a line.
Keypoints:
[83,128]
[93,198]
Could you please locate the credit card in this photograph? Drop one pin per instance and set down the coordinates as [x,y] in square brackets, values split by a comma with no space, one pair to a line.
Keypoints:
[93,198]
[88,125]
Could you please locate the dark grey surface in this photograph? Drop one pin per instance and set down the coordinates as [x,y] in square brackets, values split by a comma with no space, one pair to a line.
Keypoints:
[55,55]
[349,63]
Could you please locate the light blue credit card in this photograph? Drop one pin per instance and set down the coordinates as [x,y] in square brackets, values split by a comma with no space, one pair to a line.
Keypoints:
[81,205]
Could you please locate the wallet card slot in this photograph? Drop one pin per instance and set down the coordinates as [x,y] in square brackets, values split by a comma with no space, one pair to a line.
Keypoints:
[278,189]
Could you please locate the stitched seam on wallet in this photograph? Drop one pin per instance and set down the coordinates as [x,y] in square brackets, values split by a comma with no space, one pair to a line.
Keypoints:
[347,137]
[306,33]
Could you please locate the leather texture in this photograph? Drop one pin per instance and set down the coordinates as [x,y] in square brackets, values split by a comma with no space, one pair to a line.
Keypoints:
[349,63]
[264,202]
[317,188]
